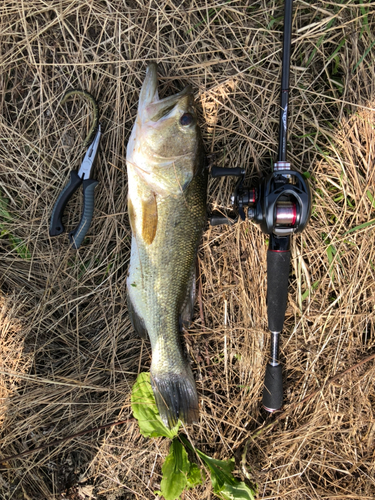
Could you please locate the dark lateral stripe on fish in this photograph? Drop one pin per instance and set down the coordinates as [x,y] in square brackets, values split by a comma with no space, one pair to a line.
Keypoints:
[176,397]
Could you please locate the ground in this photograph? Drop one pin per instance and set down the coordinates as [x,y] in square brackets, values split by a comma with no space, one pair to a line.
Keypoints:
[68,354]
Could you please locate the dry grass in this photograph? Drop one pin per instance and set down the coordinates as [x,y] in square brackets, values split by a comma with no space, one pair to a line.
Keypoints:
[68,354]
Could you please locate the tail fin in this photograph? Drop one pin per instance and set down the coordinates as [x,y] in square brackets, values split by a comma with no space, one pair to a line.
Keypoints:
[176,397]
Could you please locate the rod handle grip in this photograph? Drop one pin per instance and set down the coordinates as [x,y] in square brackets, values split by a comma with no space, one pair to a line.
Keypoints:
[278,266]
[273,388]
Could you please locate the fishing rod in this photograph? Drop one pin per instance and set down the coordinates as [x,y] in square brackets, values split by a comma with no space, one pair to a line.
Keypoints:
[281,205]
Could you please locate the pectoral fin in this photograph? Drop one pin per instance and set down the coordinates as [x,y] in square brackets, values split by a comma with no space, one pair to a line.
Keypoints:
[147,215]
[131,214]
[149,219]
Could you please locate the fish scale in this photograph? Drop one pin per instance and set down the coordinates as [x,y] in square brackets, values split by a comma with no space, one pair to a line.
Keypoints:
[167,182]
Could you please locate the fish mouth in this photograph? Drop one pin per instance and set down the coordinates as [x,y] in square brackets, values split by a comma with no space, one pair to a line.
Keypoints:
[151,107]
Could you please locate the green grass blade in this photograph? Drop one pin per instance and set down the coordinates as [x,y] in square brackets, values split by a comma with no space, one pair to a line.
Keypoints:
[363,57]
[307,292]
[337,49]
[370,197]
[319,42]
[361,226]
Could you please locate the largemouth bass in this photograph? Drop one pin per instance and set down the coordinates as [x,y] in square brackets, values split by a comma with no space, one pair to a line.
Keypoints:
[167,182]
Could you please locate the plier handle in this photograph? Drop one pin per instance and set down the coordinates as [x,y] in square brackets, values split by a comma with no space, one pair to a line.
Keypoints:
[82,176]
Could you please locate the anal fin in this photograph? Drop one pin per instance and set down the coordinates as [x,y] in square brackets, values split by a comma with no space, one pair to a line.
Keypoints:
[137,321]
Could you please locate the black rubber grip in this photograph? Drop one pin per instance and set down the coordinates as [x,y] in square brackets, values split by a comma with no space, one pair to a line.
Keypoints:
[56,226]
[278,265]
[273,388]
[76,237]
[223,172]
[217,219]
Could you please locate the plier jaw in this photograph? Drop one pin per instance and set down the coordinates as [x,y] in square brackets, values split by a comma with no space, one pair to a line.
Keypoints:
[87,166]
[82,176]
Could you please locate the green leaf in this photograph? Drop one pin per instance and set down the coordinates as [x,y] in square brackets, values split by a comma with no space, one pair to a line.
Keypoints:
[146,412]
[221,471]
[273,21]
[16,243]
[175,469]
[19,246]
[195,476]
[224,484]
[239,491]
[307,292]
[4,214]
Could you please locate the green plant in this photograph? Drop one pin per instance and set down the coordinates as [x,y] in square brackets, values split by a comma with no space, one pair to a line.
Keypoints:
[310,290]
[370,197]
[364,56]
[331,253]
[16,243]
[179,473]
[211,12]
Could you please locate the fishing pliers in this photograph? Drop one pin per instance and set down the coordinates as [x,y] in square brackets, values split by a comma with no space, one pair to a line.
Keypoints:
[82,176]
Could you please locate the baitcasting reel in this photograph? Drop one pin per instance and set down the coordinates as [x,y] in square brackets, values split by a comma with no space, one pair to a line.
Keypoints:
[281,203]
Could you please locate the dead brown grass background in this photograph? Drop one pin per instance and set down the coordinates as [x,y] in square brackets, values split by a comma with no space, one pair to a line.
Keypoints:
[68,355]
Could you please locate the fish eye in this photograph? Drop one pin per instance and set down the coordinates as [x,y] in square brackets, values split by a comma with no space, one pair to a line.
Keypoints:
[186,119]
